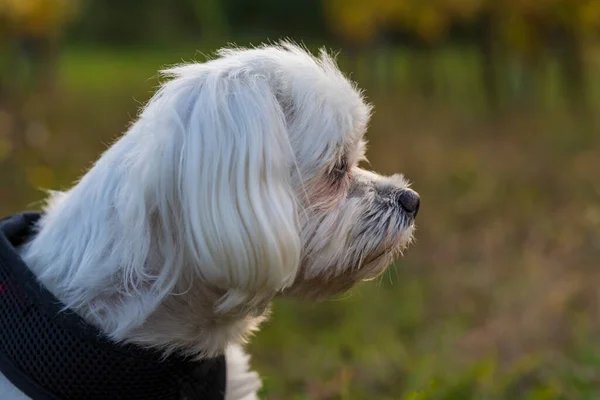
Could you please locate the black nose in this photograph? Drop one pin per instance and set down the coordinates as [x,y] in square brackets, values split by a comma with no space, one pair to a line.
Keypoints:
[409,201]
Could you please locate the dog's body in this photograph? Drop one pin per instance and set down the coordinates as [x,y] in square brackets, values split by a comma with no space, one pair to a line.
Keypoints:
[238,183]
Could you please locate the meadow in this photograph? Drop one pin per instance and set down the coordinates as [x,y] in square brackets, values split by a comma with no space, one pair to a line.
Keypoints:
[497,299]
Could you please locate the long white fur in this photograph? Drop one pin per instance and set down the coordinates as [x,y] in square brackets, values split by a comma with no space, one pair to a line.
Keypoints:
[216,200]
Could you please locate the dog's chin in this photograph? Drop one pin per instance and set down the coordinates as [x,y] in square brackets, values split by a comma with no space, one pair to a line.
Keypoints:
[378,261]
[373,264]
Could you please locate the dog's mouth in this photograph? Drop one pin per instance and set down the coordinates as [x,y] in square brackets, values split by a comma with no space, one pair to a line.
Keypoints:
[377,261]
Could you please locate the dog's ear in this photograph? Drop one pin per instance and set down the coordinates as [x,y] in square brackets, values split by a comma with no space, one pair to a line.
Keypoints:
[232,179]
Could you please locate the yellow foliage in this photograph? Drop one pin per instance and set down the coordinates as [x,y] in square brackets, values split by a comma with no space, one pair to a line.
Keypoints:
[464,9]
[359,20]
[521,21]
[518,33]
[431,23]
[588,15]
[38,17]
[352,19]
[394,10]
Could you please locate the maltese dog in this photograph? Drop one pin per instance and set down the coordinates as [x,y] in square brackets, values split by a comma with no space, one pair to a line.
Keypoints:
[238,183]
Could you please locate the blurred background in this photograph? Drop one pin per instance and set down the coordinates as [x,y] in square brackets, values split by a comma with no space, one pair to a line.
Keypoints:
[489,106]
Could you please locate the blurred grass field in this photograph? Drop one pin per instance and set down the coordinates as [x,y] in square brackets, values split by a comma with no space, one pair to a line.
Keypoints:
[496,300]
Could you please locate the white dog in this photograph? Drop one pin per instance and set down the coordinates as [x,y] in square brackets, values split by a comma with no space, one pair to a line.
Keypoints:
[237,183]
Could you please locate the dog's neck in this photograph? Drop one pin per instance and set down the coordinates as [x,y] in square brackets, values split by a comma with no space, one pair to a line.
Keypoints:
[75,255]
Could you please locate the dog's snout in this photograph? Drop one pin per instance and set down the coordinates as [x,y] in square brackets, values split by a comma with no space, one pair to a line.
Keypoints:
[410,201]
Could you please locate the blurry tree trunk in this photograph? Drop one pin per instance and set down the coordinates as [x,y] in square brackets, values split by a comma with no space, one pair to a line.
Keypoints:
[486,47]
[573,71]
[15,88]
[524,70]
[5,72]
[385,68]
[422,70]
[350,57]
[41,53]
[28,86]
[212,19]
[353,58]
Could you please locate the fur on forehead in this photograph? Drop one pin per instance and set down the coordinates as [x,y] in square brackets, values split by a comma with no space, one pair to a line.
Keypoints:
[326,113]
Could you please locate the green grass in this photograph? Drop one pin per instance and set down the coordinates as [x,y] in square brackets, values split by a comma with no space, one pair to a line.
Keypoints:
[498,299]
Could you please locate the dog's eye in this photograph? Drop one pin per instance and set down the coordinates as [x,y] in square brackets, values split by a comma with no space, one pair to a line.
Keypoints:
[340,169]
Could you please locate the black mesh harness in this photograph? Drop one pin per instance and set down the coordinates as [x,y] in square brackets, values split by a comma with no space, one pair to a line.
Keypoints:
[53,354]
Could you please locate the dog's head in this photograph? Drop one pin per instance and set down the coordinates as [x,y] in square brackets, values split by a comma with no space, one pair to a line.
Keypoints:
[238,182]
[256,171]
